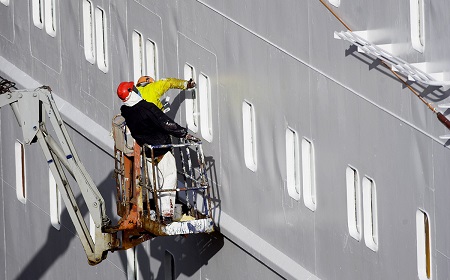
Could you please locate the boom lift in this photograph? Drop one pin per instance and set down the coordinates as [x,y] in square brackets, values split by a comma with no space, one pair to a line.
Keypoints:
[137,195]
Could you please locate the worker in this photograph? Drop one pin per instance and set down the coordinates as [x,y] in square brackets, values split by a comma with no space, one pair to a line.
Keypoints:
[149,125]
[152,90]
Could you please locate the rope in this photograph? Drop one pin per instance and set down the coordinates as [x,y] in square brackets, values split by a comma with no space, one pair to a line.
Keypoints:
[441,117]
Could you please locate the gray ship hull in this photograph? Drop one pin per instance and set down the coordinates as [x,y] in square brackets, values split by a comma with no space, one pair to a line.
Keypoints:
[323,164]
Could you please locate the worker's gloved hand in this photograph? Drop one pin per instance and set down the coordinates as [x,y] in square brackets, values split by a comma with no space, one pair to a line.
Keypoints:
[192,138]
[191,84]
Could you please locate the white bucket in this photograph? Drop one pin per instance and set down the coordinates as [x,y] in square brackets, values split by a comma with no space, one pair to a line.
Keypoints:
[177,214]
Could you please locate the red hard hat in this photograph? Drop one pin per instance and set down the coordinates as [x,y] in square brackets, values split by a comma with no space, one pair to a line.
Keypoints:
[124,89]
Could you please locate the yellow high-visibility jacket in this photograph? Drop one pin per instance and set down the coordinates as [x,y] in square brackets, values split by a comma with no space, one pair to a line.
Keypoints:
[152,92]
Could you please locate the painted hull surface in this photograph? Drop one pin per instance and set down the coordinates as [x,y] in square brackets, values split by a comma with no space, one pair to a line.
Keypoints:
[323,164]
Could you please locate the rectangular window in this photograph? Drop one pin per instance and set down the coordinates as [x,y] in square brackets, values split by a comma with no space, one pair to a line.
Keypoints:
[101,39]
[38,13]
[292,164]
[423,245]
[88,31]
[152,59]
[138,55]
[92,228]
[353,203]
[370,214]
[308,174]
[131,263]
[50,17]
[55,202]
[204,90]
[417,19]
[191,101]
[21,188]
[169,265]
[248,119]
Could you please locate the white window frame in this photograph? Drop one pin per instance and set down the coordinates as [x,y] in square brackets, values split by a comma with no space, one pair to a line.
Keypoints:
[417,20]
[92,227]
[293,164]
[37,7]
[55,201]
[151,54]
[191,100]
[249,132]
[89,31]
[353,202]
[21,172]
[101,31]
[169,265]
[423,227]
[138,54]
[309,174]
[131,264]
[204,95]
[370,212]
[335,3]
[50,17]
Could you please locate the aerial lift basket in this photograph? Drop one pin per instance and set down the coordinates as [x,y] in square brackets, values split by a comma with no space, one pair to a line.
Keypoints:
[138,194]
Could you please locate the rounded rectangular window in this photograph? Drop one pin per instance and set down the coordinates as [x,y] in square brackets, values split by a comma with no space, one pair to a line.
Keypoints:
[191,101]
[248,126]
[88,31]
[353,202]
[308,174]
[50,17]
[204,92]
[38,13]
[292,164]
[152,59]
[21,187]
[335,3]
[131,263]
[417,20]
[423,245]
[138,55]
[169,265]
[55,202]
[370,214]
[101,39]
